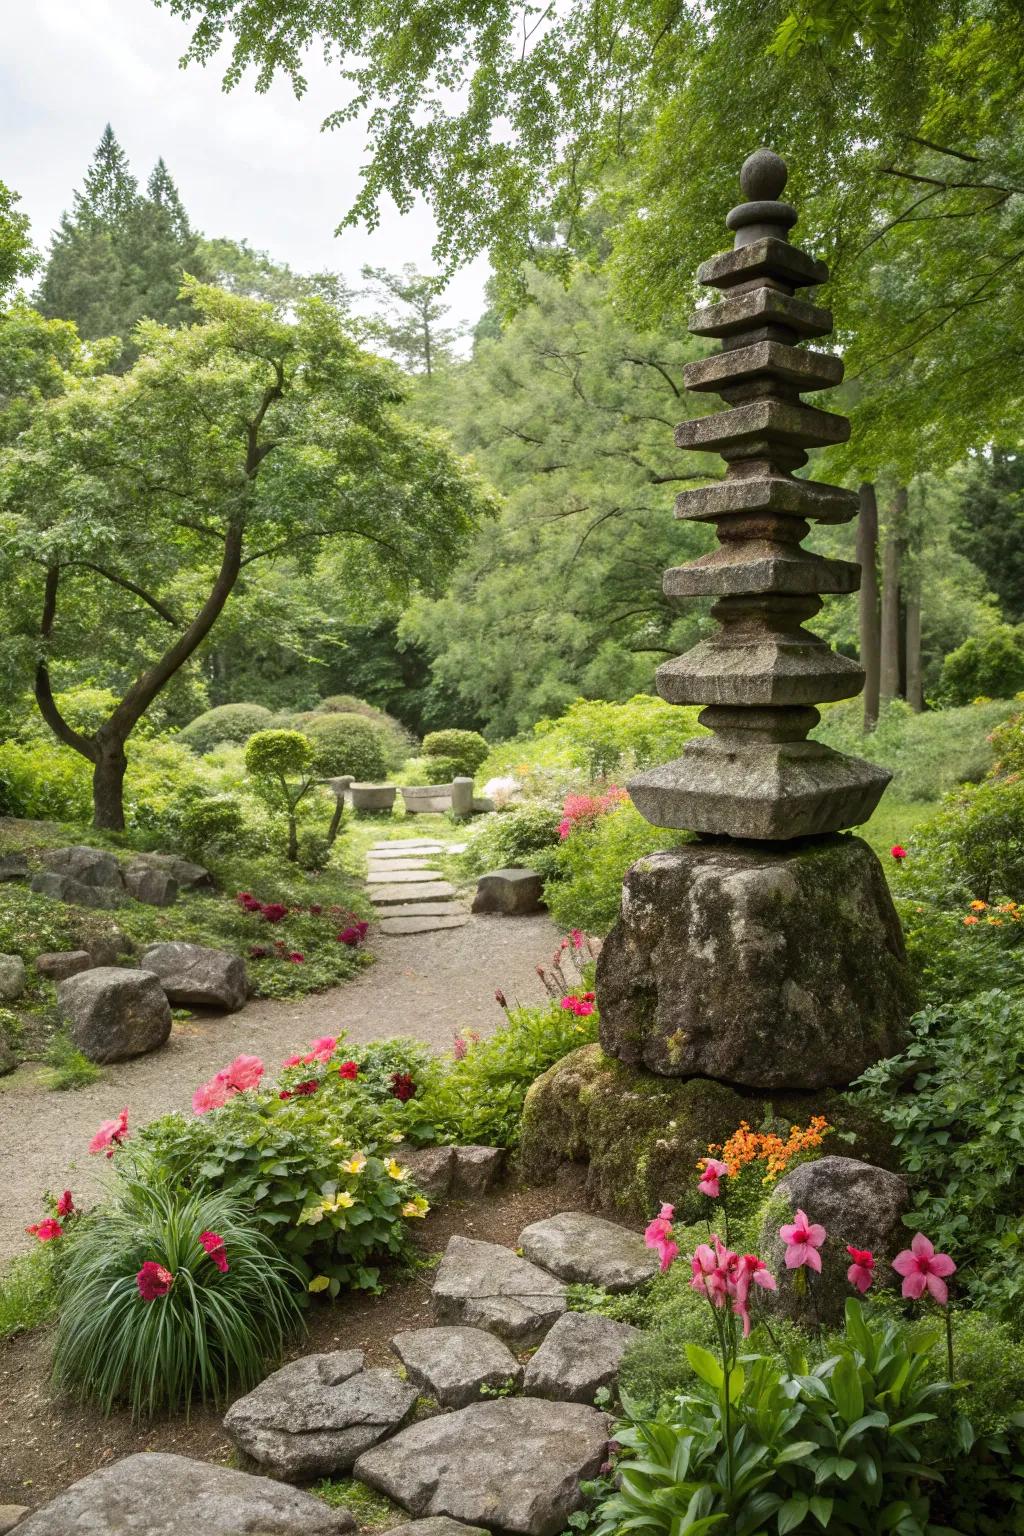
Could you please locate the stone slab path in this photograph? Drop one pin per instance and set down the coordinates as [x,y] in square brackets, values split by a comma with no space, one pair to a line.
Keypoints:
[402,873]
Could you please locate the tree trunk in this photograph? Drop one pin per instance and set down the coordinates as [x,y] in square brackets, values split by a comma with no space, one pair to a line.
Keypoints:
[293,837]
[867,554]
[892,551]
[915,687]
[108,787]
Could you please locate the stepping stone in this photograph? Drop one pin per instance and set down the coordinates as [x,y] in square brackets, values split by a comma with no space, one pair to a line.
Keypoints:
[487,1286]
[514,1462]
[453,1364]
[403,845]
[392,895]
[587,1250]
[156,1494]
[439,1526]
[396,864]
[399,876]
[398,927]
[428,909]
[312,1418]
[581,1354]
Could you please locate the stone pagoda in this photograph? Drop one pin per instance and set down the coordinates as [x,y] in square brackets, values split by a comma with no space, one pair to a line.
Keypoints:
[768,954]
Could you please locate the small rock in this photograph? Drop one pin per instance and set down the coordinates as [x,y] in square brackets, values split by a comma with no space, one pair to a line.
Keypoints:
[113,1013]
[514,1463]
[587,1250]
[156,1494]
[440,1525]
[12,977]
[108,948]
[487,1286]
[312,1418]
[476,1169]
[11,1515]
[13,866]
[856,1203]
[196,977]
[514,892]
[154,887]
[89,866]
[581,1354]
[59,964]
[8,1060]
[186,875]
[453,1364]
[61,887]
[431,1168]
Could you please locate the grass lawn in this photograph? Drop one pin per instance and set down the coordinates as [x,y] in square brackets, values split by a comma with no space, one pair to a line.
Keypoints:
[894,822]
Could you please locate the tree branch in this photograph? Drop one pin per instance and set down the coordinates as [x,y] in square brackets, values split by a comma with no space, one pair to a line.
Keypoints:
[43,687]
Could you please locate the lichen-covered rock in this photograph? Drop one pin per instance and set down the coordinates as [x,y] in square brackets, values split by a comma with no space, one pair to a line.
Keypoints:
[857,1204]
[587,1250]
[475,1169]
[580,1356]
[156,1494]
[453,1365]
[513,1464]
[113,1013]
[153,887]
[12,977]
[109,947]
[513,892]
[59,964]
[13,866]
[430,1168]
[12,1515]
[64,887]
[638,1135]
[185,874]
[763,967]
[87,866]
[484,1285]
[313,1417]
[194,976]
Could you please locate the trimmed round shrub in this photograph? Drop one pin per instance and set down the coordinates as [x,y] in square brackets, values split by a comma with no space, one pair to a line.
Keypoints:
[467,749]
[228,722]
[400,742]
[347,744]
[431,770]
[514,838]
[128,1333]
[276,754]
[989,665]
[211,825]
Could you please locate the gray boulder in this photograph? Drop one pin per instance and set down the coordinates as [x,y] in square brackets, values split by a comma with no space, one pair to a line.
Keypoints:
[857,1204]
[312,1418]
[108,948]
[12,1515]
[475,1169]
[484,1285]
[59,964]
[761,967]
[512,1464]
[514,892]
[13,866]
[156,1494]
[581,1354]
[12,977]
[154,887]
[196,977]
[431,1168]
[87,866]
[587,1250]
[60,887]
[8,1060]
[113,1013]
[186,875]
[453,1364]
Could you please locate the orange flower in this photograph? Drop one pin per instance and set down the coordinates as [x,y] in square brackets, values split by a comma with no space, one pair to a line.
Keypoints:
[978,906]
[970,922]
[746,1146]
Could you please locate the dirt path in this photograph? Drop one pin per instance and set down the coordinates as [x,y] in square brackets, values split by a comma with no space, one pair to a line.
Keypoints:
[428,986]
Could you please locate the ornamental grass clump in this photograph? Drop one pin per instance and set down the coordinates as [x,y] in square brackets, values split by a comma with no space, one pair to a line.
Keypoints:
[168,1298]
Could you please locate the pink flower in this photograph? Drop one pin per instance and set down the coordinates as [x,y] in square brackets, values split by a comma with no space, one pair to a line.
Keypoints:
[350,936]
[46,1230]
[291,1061]
[564,828]
[749,1270]
[66,1205]
[802,1240]
[244,1072]
[110,1135]
[713,1171]
[153,1280]
[924,1269]
[296,958]
[659,1237]
[577,938]
[860,1272]
[459,1048]
[898,852]
[703,1265]
[212,1095]
[322,1049]
[214,1245]
[349,1070]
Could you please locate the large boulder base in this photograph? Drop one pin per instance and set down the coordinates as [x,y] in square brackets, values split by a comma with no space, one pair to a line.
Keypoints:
[156,1494]
[196,977]
[857,1204]
[453,1365]
[185,874]
[587,1250]
[763,967]
[76,893]
[315,1416]
[484,1285]
[87,866]
[12,977]
[440,1525]
[580,1356]
[113,1013]
[639,1135]
[512,1465]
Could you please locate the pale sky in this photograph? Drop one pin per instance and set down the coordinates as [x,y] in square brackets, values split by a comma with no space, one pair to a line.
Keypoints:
[247,166]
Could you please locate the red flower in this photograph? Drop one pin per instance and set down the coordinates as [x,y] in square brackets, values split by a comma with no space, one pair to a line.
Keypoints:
[898,852]
[354,934]
[46,1230]
[316,910]
[402,1086]
[66,1205]
[274,912]
[303,1090]
[153,1280]
[349,1070]
[214,1245]
[296,958]
[285,1093]
[259,952]
[110,1135]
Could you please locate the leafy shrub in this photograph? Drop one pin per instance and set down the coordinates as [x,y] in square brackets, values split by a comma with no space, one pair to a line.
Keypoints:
[429,770]
[228,722]
[595,740]
[162,783]
[954,1104]
[990,664]
[586,886]
[28,1290]
[44,781]
[210,1335]
[347,744]
[281,765]
[974,845]
[399,742]
[211,825]
[467,749]
[928,754]
[1007,743]
[954,954]
[527,835]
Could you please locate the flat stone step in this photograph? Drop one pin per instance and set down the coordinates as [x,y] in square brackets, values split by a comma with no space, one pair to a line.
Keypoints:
[383,866]
[428,909]
[399,845]
[399,876]
[397,926]
[392,895]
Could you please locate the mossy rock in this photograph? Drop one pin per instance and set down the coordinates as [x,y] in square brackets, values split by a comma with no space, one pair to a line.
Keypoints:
[641,1135]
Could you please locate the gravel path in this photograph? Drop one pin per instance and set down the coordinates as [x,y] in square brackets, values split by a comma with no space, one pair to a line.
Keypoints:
[427,985]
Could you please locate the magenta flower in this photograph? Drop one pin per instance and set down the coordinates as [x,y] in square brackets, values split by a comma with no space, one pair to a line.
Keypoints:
[214,1246]
[924,1270]
[713,1171]
[861,1271]
[46,1230]
[110,1135]
[802,1240]
[153,1280]
[66,1205]
[659,1237]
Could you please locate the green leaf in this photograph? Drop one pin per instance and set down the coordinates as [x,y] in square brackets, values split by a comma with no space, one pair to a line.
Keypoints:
[793,1513]
[847,1390]
[704,1364]
[821,1509]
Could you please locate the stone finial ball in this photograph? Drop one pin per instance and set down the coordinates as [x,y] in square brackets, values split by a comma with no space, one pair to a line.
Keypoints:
[763,175]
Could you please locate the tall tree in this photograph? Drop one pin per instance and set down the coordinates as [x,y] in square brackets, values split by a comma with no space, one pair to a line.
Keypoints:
[989,528]
[409,326]
[17,256]
[893,547]
[244,438]
[238,267]
[109,191]
[868,615]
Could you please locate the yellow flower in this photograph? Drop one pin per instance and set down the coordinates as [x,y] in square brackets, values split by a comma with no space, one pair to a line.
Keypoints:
[395,1136]
[978,906]
[311,1215]
[418,1206]
[355,1164]
[342,1201]
[320,1283]
[393,1170]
